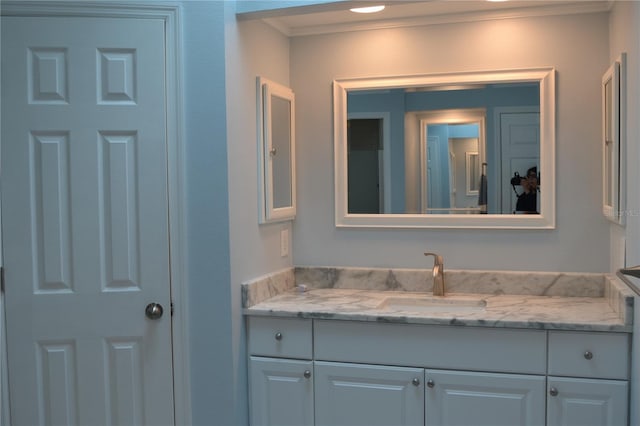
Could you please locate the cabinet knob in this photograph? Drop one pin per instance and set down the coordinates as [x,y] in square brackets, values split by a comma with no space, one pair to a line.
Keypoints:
[306,374]
[278,336]
[415,381]
[553,391]
[431,383]
[588,355]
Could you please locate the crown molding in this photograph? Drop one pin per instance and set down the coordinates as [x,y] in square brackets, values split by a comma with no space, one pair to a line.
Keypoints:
[517,13]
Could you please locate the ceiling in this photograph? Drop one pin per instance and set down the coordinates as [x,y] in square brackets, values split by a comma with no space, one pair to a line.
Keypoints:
[336,17]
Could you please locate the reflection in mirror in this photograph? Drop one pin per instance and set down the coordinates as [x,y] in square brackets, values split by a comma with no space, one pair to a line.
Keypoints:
[472,173]
[276,148]
[281,151]
[452,148]
[417,150]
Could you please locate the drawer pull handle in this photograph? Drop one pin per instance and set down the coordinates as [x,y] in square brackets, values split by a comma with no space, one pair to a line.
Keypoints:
[553,391]
[307,374]
[588,355]
[415,381]
[431,383]
[278,336]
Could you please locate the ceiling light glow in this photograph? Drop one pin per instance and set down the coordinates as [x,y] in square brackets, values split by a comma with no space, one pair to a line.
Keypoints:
[369,9]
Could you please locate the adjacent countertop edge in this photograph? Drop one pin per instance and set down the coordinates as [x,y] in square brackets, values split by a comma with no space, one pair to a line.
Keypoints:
[502,323]
[267,286]
[621,297]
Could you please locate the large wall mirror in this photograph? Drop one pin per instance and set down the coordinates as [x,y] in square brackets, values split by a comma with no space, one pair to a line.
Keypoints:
[462,150]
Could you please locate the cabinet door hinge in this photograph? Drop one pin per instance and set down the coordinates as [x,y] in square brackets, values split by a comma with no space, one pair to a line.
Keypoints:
[171,308]
[2,279]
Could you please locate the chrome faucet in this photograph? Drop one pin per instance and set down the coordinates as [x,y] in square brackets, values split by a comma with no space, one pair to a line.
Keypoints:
[438,274]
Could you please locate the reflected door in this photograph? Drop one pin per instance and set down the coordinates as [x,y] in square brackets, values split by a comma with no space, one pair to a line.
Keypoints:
[85,224]
[520,142]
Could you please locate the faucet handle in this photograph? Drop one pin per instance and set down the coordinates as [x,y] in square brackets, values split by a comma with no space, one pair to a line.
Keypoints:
[438,274]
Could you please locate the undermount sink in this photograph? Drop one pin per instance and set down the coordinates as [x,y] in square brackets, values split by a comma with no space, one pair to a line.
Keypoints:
[433,304]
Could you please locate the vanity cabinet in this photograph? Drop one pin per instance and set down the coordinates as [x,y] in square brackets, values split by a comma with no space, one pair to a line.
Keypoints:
[368,395]
[281,392]
[331,372]
[594,389]
[587,402]
[457,398]
[280,371]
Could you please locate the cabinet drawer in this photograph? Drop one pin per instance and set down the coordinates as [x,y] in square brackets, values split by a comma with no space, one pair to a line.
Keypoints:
[280,337]
[444,347]
[585,354]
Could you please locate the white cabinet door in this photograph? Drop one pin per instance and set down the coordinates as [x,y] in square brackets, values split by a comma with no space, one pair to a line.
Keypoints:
[483,399]
[586,402]
[281,392]
[368,395]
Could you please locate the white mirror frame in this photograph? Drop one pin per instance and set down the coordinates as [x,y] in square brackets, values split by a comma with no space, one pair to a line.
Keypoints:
[267,212]
[544,220]
[613,170]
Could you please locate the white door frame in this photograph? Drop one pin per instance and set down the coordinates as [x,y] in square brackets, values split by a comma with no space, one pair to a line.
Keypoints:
[171,14]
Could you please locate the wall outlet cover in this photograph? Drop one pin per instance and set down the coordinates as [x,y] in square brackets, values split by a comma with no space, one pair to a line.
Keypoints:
[284,243]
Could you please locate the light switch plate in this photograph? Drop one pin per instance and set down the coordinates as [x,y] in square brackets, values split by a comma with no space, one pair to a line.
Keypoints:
[284,243]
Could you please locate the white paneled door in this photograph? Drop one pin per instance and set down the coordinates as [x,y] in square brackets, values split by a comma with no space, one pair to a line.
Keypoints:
[520,150]
[85,222]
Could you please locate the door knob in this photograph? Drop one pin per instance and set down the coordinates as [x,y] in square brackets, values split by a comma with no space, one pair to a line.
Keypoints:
[153,311]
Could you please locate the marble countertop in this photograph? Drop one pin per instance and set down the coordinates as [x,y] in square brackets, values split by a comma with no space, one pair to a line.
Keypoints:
[609,310]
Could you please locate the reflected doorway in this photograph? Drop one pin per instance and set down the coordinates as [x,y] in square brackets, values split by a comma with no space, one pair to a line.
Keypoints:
[365,156]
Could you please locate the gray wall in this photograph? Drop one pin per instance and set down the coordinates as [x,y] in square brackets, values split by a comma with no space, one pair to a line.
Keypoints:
[576,45]
[218,387]
[207,213]
[252,49]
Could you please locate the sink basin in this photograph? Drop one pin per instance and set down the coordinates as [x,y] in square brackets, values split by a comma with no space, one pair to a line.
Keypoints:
[433,304]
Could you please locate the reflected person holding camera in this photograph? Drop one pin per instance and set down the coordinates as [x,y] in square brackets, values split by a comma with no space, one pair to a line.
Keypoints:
[527,200]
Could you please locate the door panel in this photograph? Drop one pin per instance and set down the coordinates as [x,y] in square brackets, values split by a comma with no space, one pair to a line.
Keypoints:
[520,148]
[587,402]
[85,223]
[281,392]
[368,395]
[484,399]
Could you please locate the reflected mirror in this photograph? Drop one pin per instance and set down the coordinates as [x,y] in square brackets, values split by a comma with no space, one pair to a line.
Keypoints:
[450,150]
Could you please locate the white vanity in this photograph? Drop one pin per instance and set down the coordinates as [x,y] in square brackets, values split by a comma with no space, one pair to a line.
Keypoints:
[344,356]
